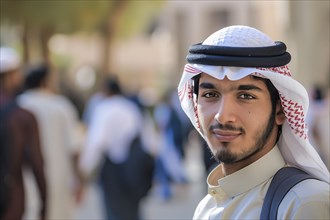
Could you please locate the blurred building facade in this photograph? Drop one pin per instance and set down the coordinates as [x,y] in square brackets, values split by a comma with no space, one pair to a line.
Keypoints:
[155,57]
[303,25]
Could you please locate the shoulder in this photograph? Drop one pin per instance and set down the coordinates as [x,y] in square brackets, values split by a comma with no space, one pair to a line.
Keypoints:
[25,114]
[63,105]
[121,103]
[204,206]
[311,190]
[22,117]
[308,199]
[63,101]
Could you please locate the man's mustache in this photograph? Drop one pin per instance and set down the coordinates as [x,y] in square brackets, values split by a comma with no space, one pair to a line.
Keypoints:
[226,127]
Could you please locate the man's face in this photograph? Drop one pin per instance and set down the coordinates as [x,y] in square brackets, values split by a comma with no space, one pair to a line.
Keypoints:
[236,117]
[15,80]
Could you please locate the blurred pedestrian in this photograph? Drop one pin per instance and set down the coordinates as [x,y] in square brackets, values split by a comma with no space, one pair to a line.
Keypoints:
[319,123]
[169,162]
[316,104]
[60,141]
[113,133]
[184,122]
[20,144]
[91,104]
[239,94]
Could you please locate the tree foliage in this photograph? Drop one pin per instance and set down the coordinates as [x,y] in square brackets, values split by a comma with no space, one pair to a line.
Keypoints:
[67,16]
[113,19]
[63,16]
[137,17]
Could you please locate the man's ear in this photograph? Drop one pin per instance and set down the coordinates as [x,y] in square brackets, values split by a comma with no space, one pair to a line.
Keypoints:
[280,116]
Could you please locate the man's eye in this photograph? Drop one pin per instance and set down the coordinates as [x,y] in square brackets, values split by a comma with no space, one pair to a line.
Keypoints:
[246,96]
[210,95]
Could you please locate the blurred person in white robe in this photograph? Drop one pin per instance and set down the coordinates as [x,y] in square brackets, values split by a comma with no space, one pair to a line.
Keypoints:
[60,142]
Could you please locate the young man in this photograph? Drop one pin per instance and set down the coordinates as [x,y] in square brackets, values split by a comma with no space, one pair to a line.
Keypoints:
[20,143]
[60,142]
[115,123]
[239,94]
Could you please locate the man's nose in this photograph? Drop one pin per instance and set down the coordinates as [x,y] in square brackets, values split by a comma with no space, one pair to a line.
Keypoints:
[226,111]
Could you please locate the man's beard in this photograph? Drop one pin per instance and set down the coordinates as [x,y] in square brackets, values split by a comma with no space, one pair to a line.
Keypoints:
[226,156]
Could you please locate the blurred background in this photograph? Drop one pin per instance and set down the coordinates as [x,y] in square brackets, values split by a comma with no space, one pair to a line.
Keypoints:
[144,43]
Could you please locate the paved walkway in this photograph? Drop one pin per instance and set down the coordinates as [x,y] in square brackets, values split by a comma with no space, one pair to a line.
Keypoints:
[180,207]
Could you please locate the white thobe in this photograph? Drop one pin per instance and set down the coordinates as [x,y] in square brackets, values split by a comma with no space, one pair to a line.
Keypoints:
[58,124]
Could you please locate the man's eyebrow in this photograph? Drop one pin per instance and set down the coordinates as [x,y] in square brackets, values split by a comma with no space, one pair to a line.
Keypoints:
[248,87]
[206,85]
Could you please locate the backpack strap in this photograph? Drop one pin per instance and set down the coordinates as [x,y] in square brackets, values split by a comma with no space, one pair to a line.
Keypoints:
[282,182]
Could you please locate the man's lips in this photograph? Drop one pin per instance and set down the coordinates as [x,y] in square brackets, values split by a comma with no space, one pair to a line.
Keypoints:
[225,135]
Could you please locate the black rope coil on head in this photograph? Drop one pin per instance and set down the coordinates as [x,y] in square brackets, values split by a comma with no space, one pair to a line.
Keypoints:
[270,56]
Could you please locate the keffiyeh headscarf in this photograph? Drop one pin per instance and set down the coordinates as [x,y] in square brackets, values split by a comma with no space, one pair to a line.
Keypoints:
[9,60]
[239,51]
